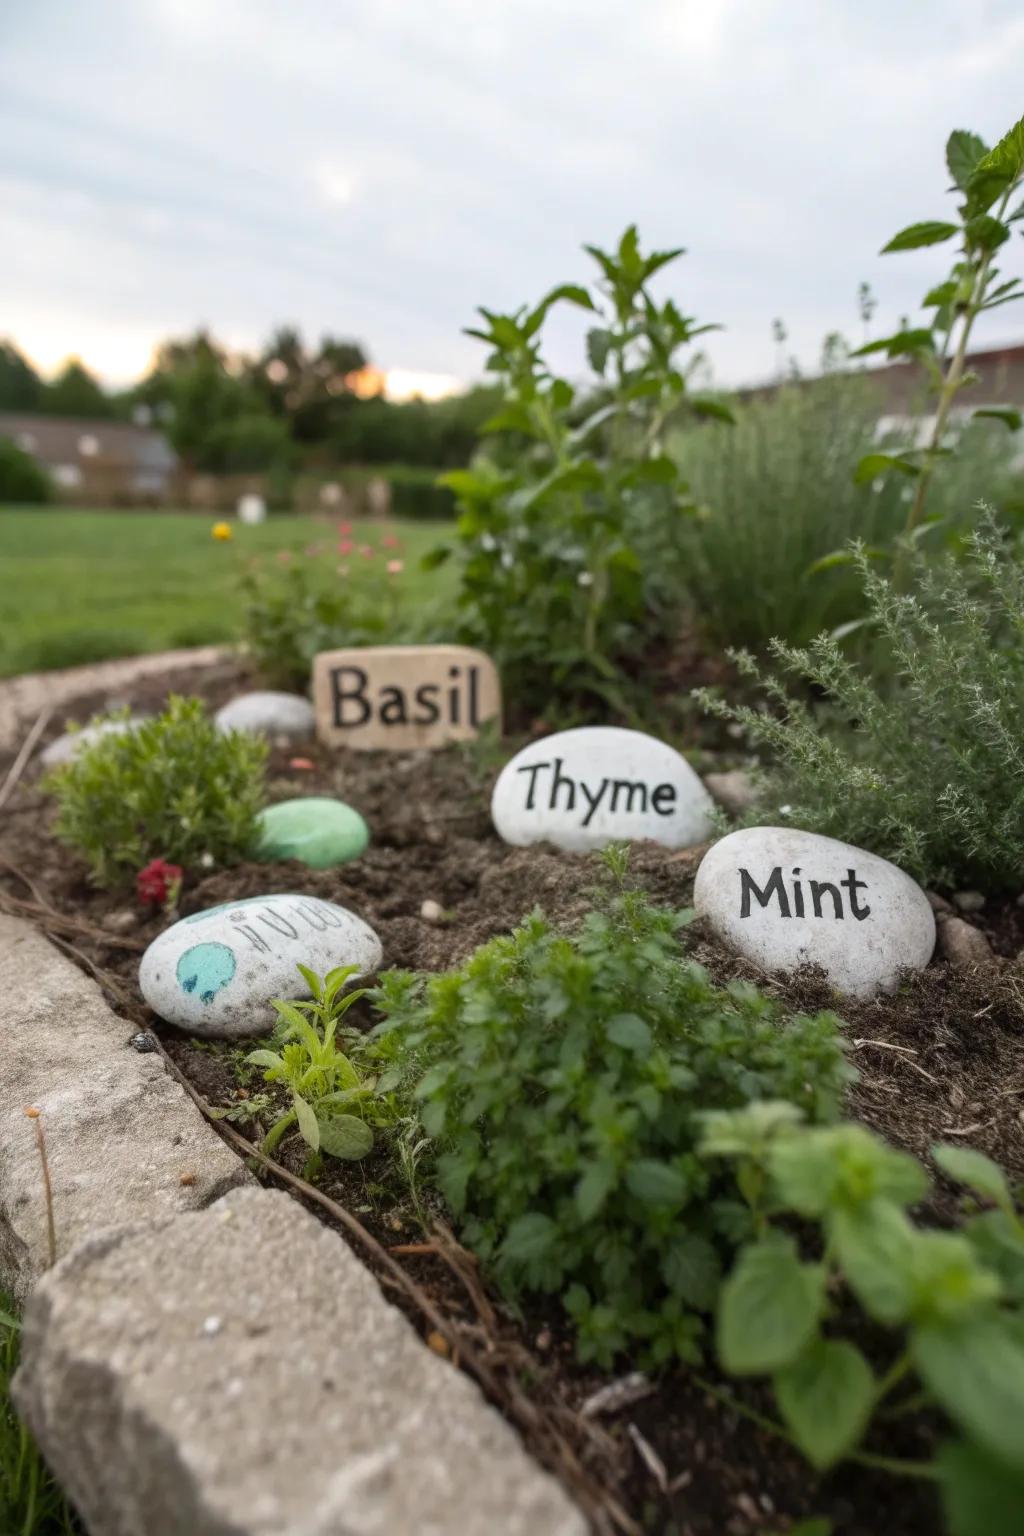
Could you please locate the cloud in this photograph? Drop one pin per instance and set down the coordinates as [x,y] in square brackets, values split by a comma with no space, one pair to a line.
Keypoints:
[379,169]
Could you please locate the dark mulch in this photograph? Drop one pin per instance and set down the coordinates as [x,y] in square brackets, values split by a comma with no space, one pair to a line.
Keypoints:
[943,1059]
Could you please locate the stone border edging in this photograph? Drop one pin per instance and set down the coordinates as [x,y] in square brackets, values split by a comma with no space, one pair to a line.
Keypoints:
[21,698]
[220,1364]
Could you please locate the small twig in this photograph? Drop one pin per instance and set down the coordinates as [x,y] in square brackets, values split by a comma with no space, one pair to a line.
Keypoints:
[17,768]
[35,1116]
[650,1458]
[966,1130]
[904,1051]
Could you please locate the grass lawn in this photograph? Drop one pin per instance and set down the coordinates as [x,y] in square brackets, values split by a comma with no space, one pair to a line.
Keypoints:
[78,586]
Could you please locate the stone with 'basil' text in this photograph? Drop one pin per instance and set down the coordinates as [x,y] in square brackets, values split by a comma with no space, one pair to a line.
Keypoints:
[786,898]
[403,697]
[598,784]
[214,973]
[268,714]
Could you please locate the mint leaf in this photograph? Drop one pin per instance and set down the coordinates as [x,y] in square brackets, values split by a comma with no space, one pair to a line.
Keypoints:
[826,1397]
[769,1308]
[975,1367]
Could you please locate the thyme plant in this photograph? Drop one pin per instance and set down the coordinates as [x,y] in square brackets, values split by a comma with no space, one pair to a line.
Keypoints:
[927,770]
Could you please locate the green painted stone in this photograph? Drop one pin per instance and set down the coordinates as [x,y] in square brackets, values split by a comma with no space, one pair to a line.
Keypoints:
[317,831]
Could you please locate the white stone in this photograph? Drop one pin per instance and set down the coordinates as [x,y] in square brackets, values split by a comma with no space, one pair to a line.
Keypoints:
[64,749]
[598,784]
[216,972]
[272,714]
[252,509]
[786,898]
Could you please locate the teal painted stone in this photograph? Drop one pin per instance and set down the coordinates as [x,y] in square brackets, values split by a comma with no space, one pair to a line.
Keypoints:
[317,831]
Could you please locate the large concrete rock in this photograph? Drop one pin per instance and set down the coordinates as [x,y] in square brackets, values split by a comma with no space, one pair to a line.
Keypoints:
[238,1371]
[121,1134]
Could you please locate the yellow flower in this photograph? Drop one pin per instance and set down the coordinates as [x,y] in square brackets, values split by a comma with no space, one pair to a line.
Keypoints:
[221,531]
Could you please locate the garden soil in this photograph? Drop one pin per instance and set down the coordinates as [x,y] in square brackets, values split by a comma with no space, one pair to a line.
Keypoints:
[941,1060]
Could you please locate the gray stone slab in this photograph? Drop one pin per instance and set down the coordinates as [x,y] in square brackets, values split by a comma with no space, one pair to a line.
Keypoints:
[237,1372]
[125,1143]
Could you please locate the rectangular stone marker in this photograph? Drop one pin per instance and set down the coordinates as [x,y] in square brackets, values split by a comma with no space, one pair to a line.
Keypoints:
[400,697]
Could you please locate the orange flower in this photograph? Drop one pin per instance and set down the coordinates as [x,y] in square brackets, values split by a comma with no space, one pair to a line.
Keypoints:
[221,532]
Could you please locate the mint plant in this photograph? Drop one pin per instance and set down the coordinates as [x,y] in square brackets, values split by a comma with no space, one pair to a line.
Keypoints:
[173,788]
[567,530]
[334,1104]
[562,1079]
[985,180]
[950,1301]
[925,770]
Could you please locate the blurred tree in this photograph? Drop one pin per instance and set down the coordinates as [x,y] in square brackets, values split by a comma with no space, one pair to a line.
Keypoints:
[20,385]
[74,392]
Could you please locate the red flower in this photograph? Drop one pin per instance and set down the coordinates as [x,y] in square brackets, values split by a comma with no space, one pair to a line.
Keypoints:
[159,883]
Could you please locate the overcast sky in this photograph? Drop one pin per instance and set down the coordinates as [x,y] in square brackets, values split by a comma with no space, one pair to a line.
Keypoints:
[376,168]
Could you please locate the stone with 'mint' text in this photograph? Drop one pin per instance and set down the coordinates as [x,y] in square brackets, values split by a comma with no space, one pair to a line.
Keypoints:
[786,898]
[599,784]
[402,697]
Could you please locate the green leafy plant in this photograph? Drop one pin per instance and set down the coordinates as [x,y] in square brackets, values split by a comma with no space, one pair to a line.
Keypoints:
[323,1081]
[985,180]
[567,529]
[953,1300]
[928,774]
[174,788]
[562,1079]
[31,1503]
[295,610]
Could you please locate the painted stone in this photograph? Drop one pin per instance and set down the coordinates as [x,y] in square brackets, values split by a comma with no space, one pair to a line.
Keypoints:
[271,714]
[786,898]
[599,784]
[214,974]
[401,697]
[64,749]
[318,831]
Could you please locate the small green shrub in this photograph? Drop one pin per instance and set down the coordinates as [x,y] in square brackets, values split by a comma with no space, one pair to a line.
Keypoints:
[173,788]
[928,773]
[31,1503]
[21,479]
[952,1298]
[562,1079]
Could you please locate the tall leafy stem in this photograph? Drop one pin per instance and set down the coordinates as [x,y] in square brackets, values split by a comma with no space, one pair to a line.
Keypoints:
[985,179]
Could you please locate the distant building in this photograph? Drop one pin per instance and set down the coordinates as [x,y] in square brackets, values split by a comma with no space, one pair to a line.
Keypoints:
[97,463]
[905,403]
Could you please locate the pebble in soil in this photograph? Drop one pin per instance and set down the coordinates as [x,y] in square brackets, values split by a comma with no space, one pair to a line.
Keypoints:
[269,714]
[599,784]
[786,899]
[320,833]
[64,749]
[215,973]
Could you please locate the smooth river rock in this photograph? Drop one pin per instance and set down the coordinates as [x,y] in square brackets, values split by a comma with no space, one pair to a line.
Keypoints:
[786,898]
[268,714]
[64,749]
[215,973]
[600,784]
[317,831]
